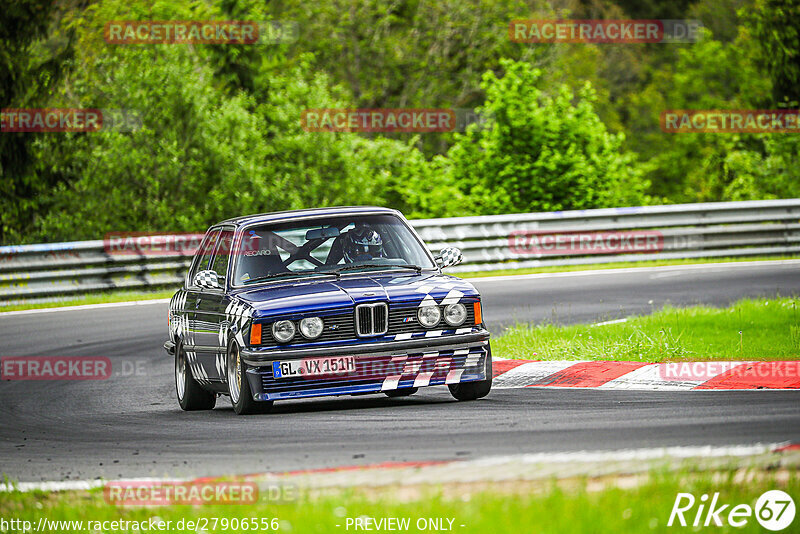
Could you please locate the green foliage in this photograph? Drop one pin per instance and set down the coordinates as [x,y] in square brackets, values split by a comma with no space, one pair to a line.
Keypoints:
[410,53]
[574,125]
[540,152]
[772,173]
[30,63]
[697,167]
[201,154]
[709,74]
[776,25]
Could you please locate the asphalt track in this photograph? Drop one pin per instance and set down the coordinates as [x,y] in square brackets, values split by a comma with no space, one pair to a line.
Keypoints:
[130,425]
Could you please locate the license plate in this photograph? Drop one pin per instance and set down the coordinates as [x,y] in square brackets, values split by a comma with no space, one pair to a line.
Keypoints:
[333,365]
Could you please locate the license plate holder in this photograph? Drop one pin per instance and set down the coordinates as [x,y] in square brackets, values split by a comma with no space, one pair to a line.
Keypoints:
[314,367]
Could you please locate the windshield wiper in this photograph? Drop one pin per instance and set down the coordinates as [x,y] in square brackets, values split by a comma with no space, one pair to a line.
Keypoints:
[374,266]
[287,273]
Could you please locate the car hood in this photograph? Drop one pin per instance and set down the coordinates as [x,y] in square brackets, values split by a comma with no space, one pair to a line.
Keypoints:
[341,295]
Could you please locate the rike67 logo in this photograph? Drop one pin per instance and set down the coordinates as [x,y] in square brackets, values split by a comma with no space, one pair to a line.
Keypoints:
[774,510]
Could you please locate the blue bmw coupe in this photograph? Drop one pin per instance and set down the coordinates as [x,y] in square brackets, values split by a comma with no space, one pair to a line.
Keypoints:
[333,301]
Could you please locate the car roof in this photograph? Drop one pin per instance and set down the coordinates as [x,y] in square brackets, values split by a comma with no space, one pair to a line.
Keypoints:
[306,213]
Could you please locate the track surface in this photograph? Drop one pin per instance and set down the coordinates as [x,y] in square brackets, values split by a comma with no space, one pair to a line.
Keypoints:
[130,425]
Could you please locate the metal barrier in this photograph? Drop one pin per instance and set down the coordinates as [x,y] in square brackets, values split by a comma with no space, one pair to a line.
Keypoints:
[496,242]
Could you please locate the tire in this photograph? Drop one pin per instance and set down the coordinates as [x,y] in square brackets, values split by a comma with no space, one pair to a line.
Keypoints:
[468,391]
[402,392]
[239,387]
[191,396]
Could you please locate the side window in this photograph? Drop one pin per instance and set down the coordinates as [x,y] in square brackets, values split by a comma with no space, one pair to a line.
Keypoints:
[222,255]
[203,254]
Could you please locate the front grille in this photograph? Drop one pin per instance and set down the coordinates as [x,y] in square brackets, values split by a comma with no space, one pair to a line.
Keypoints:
[372,319]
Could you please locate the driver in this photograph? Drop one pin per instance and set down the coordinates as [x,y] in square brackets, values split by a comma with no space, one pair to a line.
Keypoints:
[362,243]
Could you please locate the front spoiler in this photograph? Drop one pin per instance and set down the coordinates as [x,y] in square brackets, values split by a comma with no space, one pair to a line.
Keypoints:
[357,389]
[262,358]
[376,373]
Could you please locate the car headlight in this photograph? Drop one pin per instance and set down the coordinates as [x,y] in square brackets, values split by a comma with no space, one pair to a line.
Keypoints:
[455,314]
[283,331]
[311,327]
[429,316]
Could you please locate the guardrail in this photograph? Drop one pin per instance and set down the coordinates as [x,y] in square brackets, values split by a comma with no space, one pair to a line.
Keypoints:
[497,242]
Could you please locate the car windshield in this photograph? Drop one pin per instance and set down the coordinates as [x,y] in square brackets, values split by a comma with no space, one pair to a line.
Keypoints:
[309,248]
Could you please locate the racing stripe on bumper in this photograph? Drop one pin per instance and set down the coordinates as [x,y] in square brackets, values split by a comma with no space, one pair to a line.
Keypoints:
[422,380]
[391,382]
[454,376]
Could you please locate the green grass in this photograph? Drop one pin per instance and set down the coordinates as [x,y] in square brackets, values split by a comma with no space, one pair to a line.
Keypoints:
[622,265]
[584,506]
[762,329]
[102,298]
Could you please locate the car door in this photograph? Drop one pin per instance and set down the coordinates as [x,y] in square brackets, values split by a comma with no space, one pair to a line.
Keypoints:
[210,311]
[193,340]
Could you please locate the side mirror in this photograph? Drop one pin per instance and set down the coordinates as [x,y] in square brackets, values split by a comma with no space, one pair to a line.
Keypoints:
[207,280]
[448,257]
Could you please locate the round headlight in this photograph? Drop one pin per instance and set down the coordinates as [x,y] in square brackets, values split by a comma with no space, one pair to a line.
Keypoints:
[283,331]
[311,327]
[429,316]
[455,314]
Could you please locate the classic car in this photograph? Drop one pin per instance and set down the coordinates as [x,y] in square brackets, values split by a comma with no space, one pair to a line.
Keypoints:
[333,301]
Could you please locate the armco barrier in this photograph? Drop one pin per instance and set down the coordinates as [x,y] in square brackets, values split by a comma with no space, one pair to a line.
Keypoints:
[723,229]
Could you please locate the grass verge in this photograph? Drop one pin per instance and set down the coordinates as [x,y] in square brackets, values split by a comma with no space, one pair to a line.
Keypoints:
[547,507]
[102,298]
[760,329]
[622,265]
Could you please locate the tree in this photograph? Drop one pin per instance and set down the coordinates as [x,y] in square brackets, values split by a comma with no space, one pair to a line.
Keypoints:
[28,71]
[205,150]
[776,28]
[540,152]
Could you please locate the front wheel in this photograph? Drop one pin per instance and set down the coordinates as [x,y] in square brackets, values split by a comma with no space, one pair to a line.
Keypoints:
[191,396]
[239,387]
[474,390]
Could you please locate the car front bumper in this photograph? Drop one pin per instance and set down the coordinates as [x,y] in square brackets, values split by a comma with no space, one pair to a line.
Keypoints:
[380,367]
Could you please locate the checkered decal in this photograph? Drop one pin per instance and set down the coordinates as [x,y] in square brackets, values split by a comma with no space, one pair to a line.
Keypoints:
[456,289]
[207,279]
[237,315]
[451,256]
[196,367]
[432,333]
[220,362]
[178,322]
